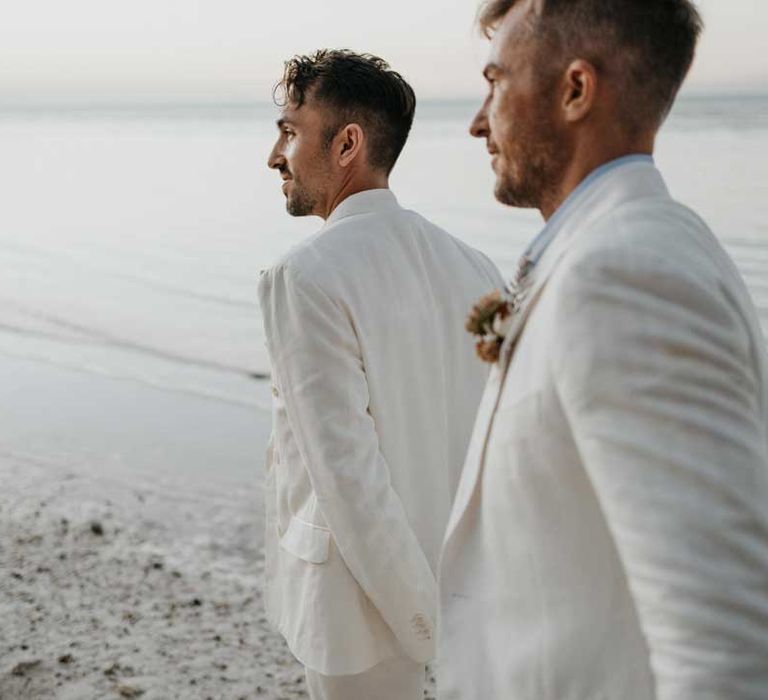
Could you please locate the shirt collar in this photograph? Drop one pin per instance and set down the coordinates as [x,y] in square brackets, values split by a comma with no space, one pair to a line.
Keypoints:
[539,245]
[365,202]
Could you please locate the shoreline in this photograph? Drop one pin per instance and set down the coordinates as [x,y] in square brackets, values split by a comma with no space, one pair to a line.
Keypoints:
[131,533]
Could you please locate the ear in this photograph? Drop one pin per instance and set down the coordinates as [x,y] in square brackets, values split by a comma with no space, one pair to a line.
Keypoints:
[580,90]
[349,144]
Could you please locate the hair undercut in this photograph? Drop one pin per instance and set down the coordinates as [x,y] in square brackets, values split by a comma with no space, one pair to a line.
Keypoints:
[648,45]
[358,88]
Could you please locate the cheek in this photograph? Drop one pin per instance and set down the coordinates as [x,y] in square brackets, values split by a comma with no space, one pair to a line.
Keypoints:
[295,148]
[501,125]
[289,150]
[511,124]
[501,111]
[301,154]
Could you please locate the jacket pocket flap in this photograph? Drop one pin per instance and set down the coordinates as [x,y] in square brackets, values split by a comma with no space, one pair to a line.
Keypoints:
[306,541]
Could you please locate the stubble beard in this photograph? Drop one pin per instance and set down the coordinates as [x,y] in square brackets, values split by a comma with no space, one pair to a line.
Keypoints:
[520,192]
[535,174]
[301,201]
[537,160]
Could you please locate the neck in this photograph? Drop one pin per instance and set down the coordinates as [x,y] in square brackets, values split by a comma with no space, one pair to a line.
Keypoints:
[585,160]
[353,184]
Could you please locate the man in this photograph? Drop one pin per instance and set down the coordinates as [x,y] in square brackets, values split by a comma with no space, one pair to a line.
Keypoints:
[375,388]
[610,533]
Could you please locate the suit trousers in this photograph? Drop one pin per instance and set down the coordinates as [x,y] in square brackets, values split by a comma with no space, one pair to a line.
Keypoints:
[397,678]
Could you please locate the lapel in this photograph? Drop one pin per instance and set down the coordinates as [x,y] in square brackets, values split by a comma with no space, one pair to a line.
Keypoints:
[630,182]
[493,391]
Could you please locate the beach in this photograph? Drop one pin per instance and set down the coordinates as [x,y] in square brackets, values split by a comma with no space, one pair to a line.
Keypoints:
[137,403]
[144,589]
[104,595]
[131,563]
[134,583]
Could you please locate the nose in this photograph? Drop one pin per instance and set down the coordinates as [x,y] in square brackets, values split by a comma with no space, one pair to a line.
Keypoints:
[479,127]
[276,159]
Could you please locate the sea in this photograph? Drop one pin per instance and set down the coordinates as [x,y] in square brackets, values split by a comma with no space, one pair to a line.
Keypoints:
[132,237]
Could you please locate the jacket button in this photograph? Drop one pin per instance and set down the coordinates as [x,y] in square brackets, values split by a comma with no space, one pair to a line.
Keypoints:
[421,627]
[275,392]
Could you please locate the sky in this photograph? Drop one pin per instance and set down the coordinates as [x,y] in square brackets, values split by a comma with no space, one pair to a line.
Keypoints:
[232,50]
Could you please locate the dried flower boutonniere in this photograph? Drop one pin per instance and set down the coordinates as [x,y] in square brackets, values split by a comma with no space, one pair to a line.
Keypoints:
[490,320]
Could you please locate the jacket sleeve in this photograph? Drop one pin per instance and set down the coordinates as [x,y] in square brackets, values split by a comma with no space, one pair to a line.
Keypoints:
[658,373]
[317,366]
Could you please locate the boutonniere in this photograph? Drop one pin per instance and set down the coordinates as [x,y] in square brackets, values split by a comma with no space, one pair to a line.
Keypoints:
[489,321]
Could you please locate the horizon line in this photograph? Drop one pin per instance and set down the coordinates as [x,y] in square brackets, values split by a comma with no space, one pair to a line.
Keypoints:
[87,103]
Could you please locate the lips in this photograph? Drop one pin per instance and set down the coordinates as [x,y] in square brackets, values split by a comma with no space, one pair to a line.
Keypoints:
[494,153]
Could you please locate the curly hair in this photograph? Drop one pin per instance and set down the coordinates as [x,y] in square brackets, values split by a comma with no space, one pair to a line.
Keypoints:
[357,88]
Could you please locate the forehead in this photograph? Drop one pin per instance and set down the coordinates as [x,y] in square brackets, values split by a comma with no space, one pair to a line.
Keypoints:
[310,113]
[515,32]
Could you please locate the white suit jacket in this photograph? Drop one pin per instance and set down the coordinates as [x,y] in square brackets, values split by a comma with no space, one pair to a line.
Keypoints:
[375,393]
[609,539]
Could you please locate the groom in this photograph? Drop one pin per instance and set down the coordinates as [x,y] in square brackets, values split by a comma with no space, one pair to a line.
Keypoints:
[375,387]
[609,538]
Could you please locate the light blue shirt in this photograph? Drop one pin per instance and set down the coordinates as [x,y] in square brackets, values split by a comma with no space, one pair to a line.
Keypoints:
[540,244]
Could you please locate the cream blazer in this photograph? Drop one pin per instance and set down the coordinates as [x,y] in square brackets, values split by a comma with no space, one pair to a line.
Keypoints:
[375,393]
[609,539]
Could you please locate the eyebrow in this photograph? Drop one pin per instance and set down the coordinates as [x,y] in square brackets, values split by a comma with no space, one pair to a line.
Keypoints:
[282,122]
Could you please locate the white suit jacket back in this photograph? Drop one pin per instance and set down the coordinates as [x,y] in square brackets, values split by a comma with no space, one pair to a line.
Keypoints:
[376,390]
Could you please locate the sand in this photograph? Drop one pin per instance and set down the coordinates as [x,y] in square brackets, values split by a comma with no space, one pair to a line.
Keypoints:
[109,590]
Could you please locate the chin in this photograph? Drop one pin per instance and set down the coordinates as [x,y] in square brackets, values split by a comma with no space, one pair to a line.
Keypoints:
[298,208]
[513,196]
[504,193]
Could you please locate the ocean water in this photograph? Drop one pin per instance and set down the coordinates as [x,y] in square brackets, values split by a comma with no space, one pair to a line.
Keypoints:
[131,243]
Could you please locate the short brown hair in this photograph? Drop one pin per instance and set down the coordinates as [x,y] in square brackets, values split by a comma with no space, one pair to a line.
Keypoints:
[358,88]
[652,43]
